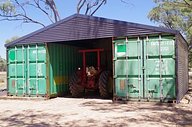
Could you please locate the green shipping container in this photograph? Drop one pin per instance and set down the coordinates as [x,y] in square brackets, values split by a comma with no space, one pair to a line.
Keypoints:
[144,68]
[41,70]
[27,70]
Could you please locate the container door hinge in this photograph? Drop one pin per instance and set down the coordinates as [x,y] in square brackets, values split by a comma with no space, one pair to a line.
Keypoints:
[114,59]
[174,57]
[115,76]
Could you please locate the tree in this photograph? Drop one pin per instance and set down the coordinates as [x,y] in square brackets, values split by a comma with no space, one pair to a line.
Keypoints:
[18,10]
[2,64]
[11,39]
[174,14]
[91,6]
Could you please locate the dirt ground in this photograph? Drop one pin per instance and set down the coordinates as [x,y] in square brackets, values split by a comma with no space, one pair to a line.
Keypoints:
[71,112]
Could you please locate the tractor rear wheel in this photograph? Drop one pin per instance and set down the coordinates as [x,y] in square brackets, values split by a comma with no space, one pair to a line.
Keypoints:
[75,88]
[103,84]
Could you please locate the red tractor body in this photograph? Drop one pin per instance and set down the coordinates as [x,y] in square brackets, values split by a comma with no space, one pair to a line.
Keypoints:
[89,75]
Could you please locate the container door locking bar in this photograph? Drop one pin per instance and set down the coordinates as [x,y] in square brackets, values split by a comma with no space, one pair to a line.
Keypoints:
[139,66]
[23,62]
[147,75]
[160,70]
[16,91]
[28,74]
[37,80]
[127,63]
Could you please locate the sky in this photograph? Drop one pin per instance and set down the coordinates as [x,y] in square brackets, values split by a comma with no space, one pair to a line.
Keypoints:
[134,11]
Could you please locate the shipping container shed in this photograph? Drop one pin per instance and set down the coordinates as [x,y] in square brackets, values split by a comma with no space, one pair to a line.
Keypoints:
[146,62]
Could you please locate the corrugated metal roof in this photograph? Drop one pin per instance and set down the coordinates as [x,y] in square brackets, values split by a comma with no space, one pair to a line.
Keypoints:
[79,27]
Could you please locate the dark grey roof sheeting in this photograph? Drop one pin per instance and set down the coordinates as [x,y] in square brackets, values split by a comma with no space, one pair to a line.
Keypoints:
[79,27]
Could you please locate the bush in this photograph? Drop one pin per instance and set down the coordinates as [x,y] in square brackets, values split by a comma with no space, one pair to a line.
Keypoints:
[3,66]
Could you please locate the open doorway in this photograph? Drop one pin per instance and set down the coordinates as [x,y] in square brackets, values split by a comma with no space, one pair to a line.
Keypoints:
[81,68]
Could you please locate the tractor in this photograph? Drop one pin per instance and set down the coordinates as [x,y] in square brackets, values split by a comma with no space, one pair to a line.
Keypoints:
[90,78]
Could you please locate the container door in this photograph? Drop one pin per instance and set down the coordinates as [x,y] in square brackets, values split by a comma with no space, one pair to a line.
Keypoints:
[17,71]
[27,70]
[36,70]
[128,75]
[159,67]
[145,68]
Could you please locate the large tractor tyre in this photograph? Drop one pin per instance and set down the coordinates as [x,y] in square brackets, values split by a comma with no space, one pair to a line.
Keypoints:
[103,84]
[75,89]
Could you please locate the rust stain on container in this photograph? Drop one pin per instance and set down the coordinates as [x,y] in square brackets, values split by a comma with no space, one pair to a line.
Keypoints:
[13,83]
[122,84]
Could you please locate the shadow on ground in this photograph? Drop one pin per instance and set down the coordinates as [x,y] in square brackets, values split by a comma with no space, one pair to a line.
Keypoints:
[29,119]
[131,114]
[163,113]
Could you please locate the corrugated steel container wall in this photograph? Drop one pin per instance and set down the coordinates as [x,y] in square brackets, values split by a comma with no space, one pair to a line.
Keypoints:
[160,74]
[63,62]
[128,68]
[16,64]
[26,70]
[144,68]
[182,68]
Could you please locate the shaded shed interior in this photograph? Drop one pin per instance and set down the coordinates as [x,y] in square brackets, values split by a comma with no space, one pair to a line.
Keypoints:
[65,59]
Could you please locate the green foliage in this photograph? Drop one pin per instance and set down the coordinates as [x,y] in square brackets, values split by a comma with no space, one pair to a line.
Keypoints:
[19,10]
[190,59]
[7,7]
[174,14]
[11,39]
